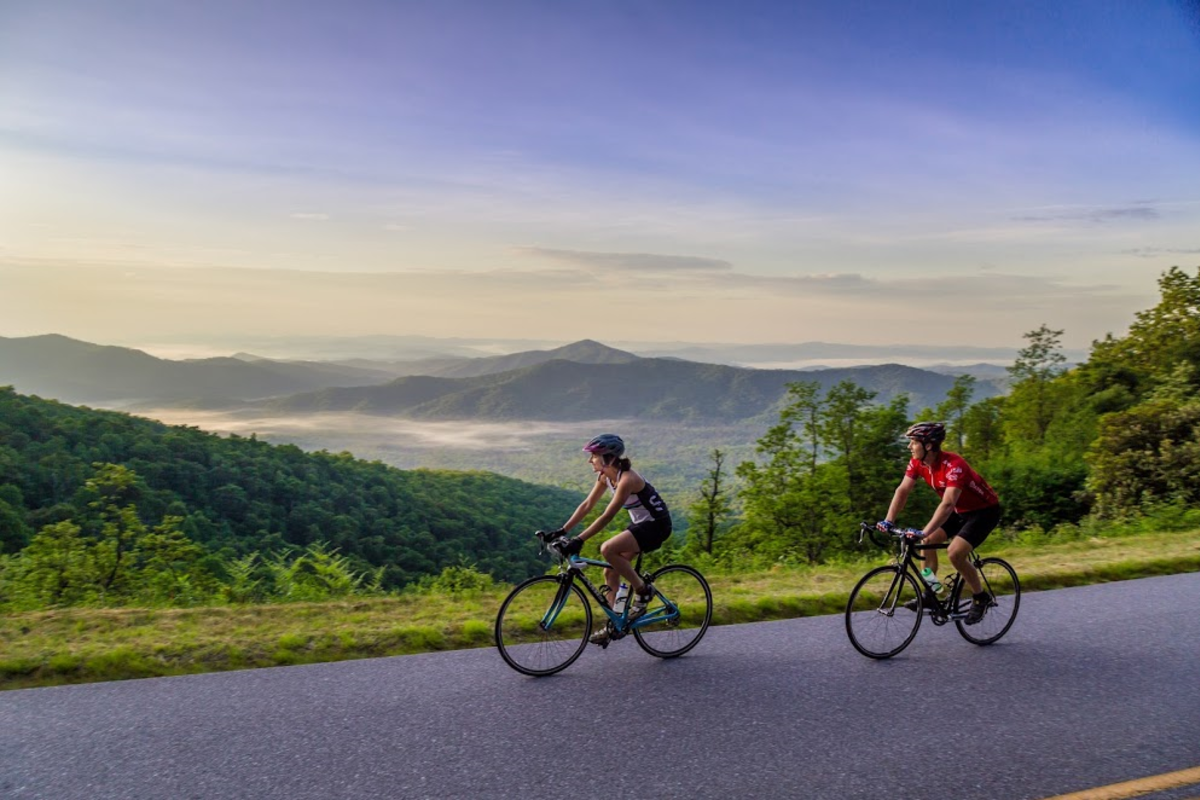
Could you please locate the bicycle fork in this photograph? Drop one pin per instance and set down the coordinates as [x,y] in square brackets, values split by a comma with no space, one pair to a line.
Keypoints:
[556,607]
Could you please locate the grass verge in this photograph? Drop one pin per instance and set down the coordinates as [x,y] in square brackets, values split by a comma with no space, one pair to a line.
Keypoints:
[83,645]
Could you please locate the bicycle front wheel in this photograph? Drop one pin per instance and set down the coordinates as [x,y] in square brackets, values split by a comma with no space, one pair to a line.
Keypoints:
[677,617]
[1000,582]
[884,612]
[543,625]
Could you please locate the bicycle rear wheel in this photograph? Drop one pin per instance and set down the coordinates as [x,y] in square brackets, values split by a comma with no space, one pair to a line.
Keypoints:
[877,622]
[1000,581]
[543,625]
[677,617]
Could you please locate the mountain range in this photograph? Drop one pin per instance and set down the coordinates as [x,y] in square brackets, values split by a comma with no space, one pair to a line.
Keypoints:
[584,380]
[72,371]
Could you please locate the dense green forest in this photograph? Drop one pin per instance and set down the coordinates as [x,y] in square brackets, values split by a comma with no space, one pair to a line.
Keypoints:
[76,483]
[1115,437]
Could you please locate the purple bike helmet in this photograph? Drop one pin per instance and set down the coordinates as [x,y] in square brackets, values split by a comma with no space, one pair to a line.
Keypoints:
[606,444]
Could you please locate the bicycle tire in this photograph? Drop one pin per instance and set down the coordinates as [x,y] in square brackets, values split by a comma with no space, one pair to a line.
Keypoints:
[1001,582]
[525,643]
[686,589]
[878,624]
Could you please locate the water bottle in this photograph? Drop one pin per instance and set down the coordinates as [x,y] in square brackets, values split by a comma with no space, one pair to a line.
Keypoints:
[931,580]
[621,598]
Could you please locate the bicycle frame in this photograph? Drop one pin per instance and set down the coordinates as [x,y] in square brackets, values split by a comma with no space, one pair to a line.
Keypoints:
[573,567]
[940,611]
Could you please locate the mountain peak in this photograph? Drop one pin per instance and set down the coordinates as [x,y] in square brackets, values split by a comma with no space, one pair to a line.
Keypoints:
[589,351]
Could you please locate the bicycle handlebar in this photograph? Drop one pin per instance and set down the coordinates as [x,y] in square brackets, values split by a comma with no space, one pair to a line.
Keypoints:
[868,529]
[545,538]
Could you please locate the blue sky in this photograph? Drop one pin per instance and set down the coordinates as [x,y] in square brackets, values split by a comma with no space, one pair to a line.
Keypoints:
[863,172]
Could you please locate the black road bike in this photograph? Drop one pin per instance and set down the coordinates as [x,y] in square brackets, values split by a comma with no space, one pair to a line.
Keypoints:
[886,607]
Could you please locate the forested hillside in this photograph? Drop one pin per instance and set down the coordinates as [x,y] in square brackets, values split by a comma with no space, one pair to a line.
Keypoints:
[646,389]
[236,496]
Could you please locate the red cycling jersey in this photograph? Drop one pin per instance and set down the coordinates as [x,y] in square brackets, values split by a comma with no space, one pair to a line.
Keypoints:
[951,469]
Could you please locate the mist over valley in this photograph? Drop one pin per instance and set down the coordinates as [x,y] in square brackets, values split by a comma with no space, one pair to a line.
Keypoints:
[522,414]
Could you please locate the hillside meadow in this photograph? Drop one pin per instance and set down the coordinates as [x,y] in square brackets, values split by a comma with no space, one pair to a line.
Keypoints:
[81,645]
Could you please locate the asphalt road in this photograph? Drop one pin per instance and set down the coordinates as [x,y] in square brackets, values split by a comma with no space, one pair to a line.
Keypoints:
[1093,685]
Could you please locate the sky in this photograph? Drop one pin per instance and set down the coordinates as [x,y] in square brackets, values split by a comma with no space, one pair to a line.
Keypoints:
[925,172]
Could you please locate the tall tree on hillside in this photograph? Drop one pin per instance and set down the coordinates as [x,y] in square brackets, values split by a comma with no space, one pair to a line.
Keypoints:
[828,463]
[840,429]
[1031,404]
[863,442]
[707,513]
[954,409]
[114,489]
[783,507]
[983,436]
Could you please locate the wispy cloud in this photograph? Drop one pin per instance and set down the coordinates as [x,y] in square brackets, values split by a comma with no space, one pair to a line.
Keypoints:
[632,262]
[1155,252]
[1138,212]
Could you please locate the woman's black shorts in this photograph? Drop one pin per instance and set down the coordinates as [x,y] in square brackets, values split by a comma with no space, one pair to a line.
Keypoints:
[651,533]
[974,526]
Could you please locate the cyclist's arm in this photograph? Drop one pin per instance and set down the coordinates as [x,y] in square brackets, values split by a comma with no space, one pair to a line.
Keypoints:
[587,505]
[900,498]
[624,487]
[944,509]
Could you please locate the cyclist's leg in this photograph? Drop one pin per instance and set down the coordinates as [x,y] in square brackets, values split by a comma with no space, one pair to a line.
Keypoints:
[948,530]
[975,529]
[619,551]
[959,552]
[931,556]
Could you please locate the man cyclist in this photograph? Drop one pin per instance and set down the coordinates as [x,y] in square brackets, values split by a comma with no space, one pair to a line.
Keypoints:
[969,511]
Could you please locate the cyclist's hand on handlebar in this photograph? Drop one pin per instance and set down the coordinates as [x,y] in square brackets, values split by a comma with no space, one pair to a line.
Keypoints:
[550,536]
[885,526]
[914,535]
[567,547]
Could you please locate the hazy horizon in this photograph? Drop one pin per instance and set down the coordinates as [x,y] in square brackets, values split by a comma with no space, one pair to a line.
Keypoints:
[405,349]
[866,173]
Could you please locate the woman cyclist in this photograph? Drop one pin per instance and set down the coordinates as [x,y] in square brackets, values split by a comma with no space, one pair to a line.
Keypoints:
[969,511]
[650,521]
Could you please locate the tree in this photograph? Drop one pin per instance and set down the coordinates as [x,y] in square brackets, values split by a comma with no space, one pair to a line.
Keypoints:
[707,513]
[783,508]
[54,570]
[955,407]
[827,463]
[1031,404]
[114,487]
[14,533]
[1149,454]
[1160,337]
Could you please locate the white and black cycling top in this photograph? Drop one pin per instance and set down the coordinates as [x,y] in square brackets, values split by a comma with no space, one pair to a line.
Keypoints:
[645,505]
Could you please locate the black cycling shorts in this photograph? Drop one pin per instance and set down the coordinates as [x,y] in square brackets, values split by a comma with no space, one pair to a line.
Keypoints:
[651,533]
[973,526]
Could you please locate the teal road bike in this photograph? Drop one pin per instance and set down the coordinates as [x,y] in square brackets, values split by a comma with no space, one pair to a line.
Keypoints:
[544,624]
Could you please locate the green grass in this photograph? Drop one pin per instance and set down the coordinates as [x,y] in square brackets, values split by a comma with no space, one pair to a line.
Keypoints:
[50,648]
